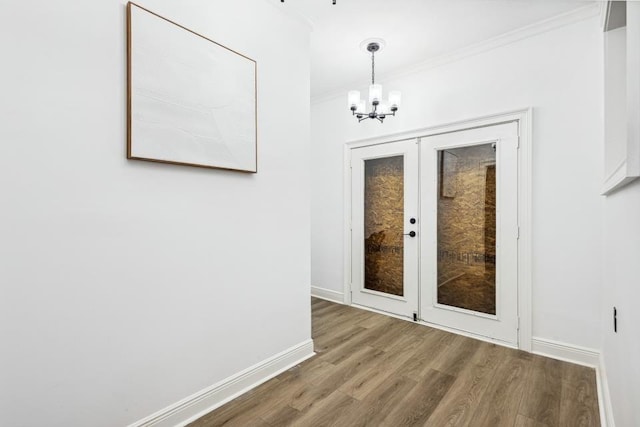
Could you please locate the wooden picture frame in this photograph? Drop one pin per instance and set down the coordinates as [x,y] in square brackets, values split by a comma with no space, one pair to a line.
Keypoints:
[190,100]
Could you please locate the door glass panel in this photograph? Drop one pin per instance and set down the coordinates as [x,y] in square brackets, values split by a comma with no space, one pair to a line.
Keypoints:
[384,225]
[467,228]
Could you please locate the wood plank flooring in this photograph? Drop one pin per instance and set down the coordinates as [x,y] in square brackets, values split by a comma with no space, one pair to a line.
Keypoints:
[373,370]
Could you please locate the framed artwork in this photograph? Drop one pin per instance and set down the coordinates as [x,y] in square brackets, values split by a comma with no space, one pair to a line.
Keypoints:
[191,101]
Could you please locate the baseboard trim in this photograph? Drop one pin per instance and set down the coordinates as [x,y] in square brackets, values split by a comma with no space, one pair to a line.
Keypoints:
[328,294]
[566,352]
[195,406]
[604,398]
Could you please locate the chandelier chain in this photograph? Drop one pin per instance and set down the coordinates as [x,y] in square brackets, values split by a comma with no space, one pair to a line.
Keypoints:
[373,68]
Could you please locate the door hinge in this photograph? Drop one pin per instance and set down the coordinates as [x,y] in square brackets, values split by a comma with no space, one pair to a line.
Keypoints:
[518,233]
[518,143]
[518,323]
[415,316]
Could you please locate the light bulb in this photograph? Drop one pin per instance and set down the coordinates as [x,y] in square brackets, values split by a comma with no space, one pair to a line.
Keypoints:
[395,97]
[375,94]
[354,98]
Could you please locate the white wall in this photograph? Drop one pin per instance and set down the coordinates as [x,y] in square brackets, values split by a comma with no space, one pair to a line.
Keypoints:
[621,351]
[559,74]
[127,286]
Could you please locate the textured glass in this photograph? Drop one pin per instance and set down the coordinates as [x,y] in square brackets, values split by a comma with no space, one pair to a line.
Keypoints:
[384,225]
[467,228]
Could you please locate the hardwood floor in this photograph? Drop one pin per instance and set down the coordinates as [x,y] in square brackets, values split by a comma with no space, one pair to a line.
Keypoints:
[373,370]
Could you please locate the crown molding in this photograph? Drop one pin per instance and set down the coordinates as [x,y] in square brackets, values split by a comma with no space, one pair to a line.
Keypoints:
[293,14]
[558,21]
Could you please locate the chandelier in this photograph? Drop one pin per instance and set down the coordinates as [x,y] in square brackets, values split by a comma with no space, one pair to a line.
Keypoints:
[379,110]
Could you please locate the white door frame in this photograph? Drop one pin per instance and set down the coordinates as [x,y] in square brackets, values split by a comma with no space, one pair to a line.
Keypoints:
[525,158]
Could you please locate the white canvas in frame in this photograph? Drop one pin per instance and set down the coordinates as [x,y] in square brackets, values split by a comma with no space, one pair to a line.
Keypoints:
[192,101]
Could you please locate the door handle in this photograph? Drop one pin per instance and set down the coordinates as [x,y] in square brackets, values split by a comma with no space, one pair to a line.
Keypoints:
[410,234]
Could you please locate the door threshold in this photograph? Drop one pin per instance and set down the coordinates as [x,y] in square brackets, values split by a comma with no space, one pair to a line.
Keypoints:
[470,335]
[386,313]
[440,327]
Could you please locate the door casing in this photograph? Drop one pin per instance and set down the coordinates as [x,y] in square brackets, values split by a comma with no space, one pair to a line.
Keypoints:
[523,118]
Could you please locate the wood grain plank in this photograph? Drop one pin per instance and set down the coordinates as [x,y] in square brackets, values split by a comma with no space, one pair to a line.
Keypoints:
[312,373]
[579,397]
[429,349]
[327,342]
[541,400]
[375,319]
[377,370]
[343,349]
[241,411]
[522,421]
[456,356]
[374,370]
[458,407]
[499,405]
[327,411]
[377,405]
[345,370]
[421,401]
[282,416]
[392,332]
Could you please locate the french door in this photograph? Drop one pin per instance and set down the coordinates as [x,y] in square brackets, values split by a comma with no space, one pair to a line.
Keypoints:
[384,227]
[469,231]
[435,232]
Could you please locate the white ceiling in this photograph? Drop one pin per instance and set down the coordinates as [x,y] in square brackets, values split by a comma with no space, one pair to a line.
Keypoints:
[414,30]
